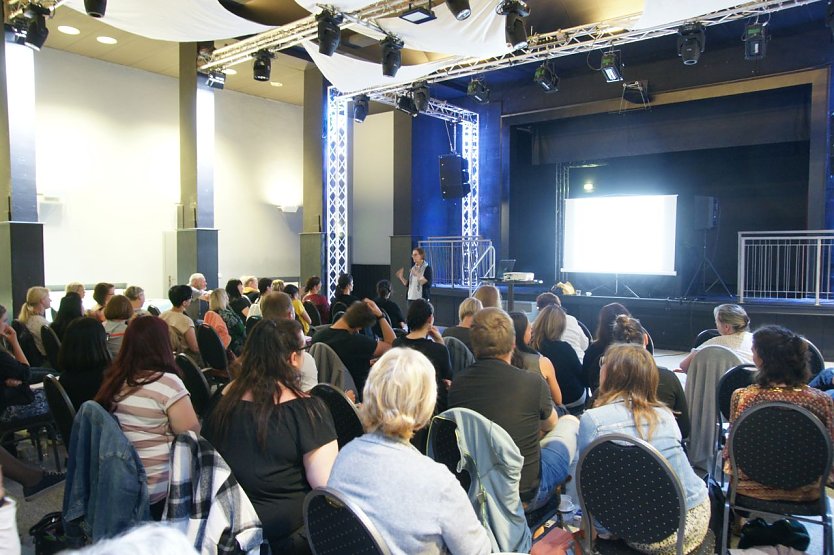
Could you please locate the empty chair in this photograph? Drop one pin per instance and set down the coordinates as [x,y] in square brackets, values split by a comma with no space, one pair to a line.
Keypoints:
[153,310]
[336,526]
[705,336]
[443,448]
[195,382]
[213,352]
[52,345]
[344,413]
[816,363]
[585,330]
[60,406]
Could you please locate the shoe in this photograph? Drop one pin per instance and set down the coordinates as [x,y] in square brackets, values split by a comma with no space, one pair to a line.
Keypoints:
[49,481]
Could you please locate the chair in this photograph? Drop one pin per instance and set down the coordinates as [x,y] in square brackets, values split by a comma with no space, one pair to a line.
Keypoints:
[52,345]
[331,368]
[335,526]
[336,315]
[650,344]
[60,406]
[344,413]
[737,377]
[313,313]
[784,446]
[251,322]
[707,367]
[628,487]
[32,417]
[213,353]
[27,344]
[195,382]
[459,354]
[153,310]
[442,446]
[586,331]
[816,362]
[705,336]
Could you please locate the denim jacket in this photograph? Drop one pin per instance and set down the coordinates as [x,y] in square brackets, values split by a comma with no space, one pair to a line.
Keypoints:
[615,418]
[106,489]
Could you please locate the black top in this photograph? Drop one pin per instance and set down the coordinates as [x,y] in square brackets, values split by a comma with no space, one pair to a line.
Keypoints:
[460,333]
[10,369]
[438,354]
[568,369]
[354,349]
[590,363]
[273,478]
[670,393]
[239,304]
[426,290]
[81,386]
[393,310]
[514,399]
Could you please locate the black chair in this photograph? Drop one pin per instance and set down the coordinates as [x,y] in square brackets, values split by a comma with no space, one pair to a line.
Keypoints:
[195,382]
[313,313]
[443,448]
[251,322]
[33,424]
[736,377]
[213,353]
[153,310]
[650,344]
[336,315]
[344,413]
[705,336]
[52,345]
[784,446]
[586,331]
[628,487]
[336,311]
[816,362]
[60,406]
[335,526]
[27,344]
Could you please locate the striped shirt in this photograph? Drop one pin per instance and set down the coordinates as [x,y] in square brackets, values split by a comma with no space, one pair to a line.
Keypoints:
[143,417]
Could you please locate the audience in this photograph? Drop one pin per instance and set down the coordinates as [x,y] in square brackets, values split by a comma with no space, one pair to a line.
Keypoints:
[300,312]
[383,301]
[237,300]
[312,291]
[213,319]
[466,311]
[489,295]
[136,296]
[279,442]
[264,288]
[199,297]
[232,326]
[627,404]
[733,325]
[32,314]
[527,358]
[277,285]
[520,403]
[573,334]
[144,391]
[75,287]
[83,358]
[547,329]
[101,294]
[180,326]
[69,309]
[344,290]
[117,312]
[278,306]
[590,364]
[419,507]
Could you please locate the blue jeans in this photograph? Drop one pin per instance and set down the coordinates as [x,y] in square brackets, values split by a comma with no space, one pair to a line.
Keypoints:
[557,450]
[824,381]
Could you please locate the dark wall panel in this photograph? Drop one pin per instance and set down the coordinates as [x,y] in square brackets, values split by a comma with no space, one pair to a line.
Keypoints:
[430,214]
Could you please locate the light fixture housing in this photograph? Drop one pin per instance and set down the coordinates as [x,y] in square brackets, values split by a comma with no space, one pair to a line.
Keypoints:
[262,65]
[391,55]
[459,8]
[515,31]
[36,32]
[361,104]
[421,96]
[95,8]
[692,41]
[418,15]
[612,66]
[755,41]
[329,32]
[478,91]
[214,79]
[546,77]
[405,103]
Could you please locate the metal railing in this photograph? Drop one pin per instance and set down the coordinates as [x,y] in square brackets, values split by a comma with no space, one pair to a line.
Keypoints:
[791,265]
[459,261]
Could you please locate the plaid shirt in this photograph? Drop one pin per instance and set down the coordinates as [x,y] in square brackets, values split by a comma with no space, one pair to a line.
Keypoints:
[205,501]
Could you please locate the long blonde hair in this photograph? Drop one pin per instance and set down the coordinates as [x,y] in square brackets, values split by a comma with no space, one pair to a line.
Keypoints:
[34,297]
[631,376]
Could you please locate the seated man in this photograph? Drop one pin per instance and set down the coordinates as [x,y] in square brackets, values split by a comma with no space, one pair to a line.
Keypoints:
[354,349]
[520,403]
[278,306]
[199,297]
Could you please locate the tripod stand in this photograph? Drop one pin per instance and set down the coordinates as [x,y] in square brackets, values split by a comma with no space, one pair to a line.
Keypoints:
[616,287]
[704,265]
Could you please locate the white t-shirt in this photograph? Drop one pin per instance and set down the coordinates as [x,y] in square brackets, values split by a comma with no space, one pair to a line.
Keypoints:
[574,336]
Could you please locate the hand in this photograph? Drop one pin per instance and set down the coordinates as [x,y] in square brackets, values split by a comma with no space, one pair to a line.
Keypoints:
[350,395]
[414,271]
[11,382]
[374,308]
[446,383]
[434,333]
[399,273]
[8,332]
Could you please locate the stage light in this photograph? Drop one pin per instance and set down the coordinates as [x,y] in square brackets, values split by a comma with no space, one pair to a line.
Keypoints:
[691,43]
[755,41]
[262,65]
[36,33]
[478,90]
[391,55]
[405,103]
[546,77]
[588,187]
[612,66]
[95,8]
[329,32]
[215,80]
[515,31]
[459,8]
[421,96]
[361,103]
[418,15]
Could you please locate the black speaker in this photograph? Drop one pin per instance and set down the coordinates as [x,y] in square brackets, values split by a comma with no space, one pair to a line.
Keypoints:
[454,176]
[705,213]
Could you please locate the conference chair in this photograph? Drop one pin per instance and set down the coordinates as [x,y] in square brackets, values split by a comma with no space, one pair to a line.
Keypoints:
[195,382]
[153,310]
[336,526]
[213,354]
[344,413]
[251,322]
[816,362]
[313,313]
[705,336]
[63,412]
[737,377]
[52,345]
[586,331]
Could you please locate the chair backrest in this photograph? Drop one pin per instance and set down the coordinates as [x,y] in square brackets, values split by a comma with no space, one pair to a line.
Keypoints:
[313,313]
[816,362]
[195,382]
[650,343]
[60,406]
[335,526]
[736,377]
[586,331]
[459,354]
[344,413]
[627,486]
[251,322]
[781,445]
[52,345]
[334,316]
[443,448]
[153,310]
[705,336]
[211,348]
[337,308]
[27,344]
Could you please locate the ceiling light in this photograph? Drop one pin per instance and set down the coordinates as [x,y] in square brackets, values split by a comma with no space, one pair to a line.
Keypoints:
[329,32]
[106,40]
[420,94]
[214,79]
[478,90]
[262,66]
[230,71]
[588,187]
[515,31]
[36,32]
[691,43]
[546,77]
[391,55]
[459,8]
[361,103]
[95,8]
[755,41]
[276,83]
[418,15]
[68,30]
[405,103]
[612,66]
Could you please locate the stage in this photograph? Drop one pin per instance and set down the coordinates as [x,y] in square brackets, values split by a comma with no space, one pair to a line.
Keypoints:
[672,323]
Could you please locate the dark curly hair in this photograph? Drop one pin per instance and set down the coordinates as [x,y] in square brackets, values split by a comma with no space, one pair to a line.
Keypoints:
[784,357]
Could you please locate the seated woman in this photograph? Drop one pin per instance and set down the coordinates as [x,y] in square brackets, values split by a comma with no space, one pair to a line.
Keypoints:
[547,331]
[527,358]
[144,391]
[83,358]
[69,309]
[117,312]
[381,469]
[627,404]
[217,301]
[383,301]
[101,294]
[590,363]
[312,293]
[279,442]
[489,295]
[300,312]
[32,314]
[466,311]
[180,327]
[238,302]
[733,325]
[781,357]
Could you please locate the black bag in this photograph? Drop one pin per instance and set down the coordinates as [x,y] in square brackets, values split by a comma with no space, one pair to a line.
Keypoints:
[48,534]
[716,501]
[786,531]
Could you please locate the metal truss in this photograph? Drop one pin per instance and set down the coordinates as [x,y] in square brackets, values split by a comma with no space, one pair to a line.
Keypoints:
[337,190]
[470,210]
[439,109]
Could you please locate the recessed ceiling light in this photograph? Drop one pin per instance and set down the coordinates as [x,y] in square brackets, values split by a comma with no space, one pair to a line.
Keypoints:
[276,83]
[230,71]
[68,30]
[106,40]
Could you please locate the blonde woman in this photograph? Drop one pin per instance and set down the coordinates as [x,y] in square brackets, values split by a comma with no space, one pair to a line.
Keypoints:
[235,329]
[76,287]
[489,295]
[627,404]
[399,398]
[733,325]
[32,314]
[466,311]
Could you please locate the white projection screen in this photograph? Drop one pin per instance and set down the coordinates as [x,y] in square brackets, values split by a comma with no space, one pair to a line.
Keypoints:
[620,235]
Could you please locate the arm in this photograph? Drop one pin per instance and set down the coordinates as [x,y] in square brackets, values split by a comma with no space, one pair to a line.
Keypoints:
[684,367]
[182,417]
[388,335]
[547,425]
[11,336]
[549,374]
[426,276]
[319,462]
[191,340]
[401,277]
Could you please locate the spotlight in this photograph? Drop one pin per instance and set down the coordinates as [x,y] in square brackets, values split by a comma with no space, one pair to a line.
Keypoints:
[691,43]
[361,103]
[215,79]
[612,66]
[391,55]
[405,103]
[459,8]
[755,41]
[32,28]
[546,77]
[420,95]
[329,32]
[262,66]
[478,90]
[95,8]
[514,29]
[418,15]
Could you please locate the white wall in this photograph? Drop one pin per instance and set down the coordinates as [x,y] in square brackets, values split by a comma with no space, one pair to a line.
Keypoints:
[108,170]
[373,189]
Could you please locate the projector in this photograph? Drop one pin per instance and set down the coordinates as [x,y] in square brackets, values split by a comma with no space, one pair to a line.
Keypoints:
[519,276]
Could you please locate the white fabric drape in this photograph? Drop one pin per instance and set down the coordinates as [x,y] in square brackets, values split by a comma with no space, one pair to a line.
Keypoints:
[661,12]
